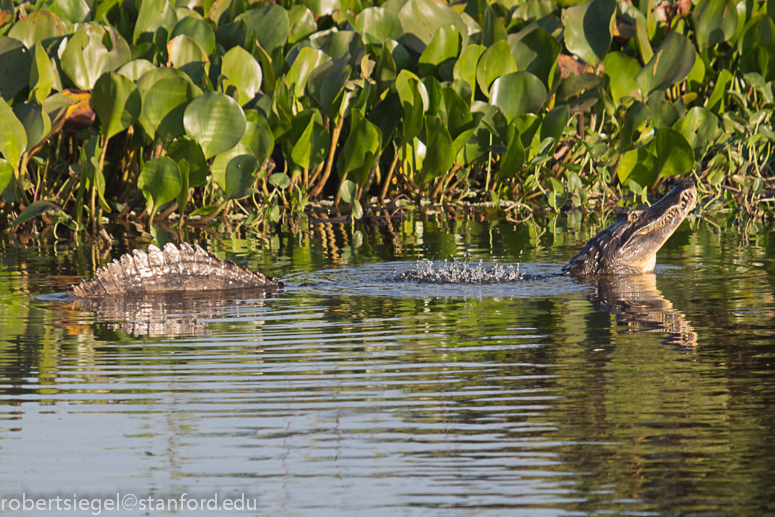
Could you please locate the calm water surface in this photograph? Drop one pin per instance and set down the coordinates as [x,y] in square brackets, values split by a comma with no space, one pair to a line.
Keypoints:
[350,394]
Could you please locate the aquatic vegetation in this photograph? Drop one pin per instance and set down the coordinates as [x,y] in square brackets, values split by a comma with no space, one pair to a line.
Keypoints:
[201,108]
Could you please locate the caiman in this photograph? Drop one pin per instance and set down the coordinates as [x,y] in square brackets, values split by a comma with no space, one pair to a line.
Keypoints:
[627,247]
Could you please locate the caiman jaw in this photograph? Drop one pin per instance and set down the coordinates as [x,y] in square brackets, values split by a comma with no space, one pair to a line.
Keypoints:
[629,246]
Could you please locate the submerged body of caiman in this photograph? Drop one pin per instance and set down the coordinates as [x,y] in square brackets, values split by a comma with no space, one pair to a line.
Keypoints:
[627,247]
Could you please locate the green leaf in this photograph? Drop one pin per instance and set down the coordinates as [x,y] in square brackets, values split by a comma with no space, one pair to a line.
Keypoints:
[74,11]
[240,176]
[86,56]
[444,46]
[116,102]
[15,63]
[496,62]
[511,163]
[244,72]
[302,23]
[635,119]
[674,155]
[134,70]
[349,191]
[41,75]
[465,66]
[554,123]
[700,128]
[159,182]
[717,101]
[280,180]
[589,28]
[439,149]
[536,52]
[36,123]
[621,69]
[410,92]
[757,45]
[715,21]
[671,63]
[492,28]
[374,24]
[310,150]
[268,24]
[188,56]
[305,62]
[41,26]
[361,149]
[182,196]
[422,18]
[215,121]
[13,137]
[518,93]
[326,85]
[154,16]
[6,173]
[166,103]
[184,149]
[35,209]
[199,30]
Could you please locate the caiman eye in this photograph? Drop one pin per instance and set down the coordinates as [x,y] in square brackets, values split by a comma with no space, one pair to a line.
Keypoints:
[632,216]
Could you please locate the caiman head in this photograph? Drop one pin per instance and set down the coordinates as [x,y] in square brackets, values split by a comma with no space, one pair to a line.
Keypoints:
[629,246]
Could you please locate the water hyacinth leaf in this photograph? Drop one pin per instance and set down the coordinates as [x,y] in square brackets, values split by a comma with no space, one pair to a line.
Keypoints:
[554,123]
[349,191]
[154,16]
[199,30]
[311,148]
[340,44]
[74,11]
[305,62]
[268,24]
[386,115]
[302,23]
[636,118]
[757,44]
[159,182]
[13,137]
[444,46]
[496,62]
[280,180]
[117,103]
[361,149]
[86,56]
[165,105]
[465,66]
[188,56]
[6,173]
[240,176]
[455,113]
[326,85]
[38,26]
[717,101]
[518,93]
[41,74]
[410,92]
[184,149]
[244,72]
[637,165]
[215,121]
[715,21]
[670,64]
[699,127]
[492,28]
[439,149]
[268,76]
[374,24]
[134,70]
[422,18]
[512,161]
[589,29]
[185,186]
[36,122]
[15,61]
[535,52]
[621,69]
[674,155]
[146,82]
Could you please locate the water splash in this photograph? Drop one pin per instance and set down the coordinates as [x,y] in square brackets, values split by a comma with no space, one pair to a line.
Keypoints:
[461,272]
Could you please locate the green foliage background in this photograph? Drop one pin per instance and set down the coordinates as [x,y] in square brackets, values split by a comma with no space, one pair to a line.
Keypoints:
[229,105]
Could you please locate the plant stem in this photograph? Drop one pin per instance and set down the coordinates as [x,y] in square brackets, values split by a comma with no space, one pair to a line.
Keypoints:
[389,177]
[329,160]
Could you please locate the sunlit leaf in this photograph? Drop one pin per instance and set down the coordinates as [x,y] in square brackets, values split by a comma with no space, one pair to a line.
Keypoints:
[517,93]
[38,26]
[496,62]
[215,121]
[13,137]
[440,151]
[361,149]
[159,181]
[535,52]
[116,102]
[188,56]
[240,175]
[511,162]
[670,64]
[422,18]
[199,30]
[165,105]
[243,71]
[375,24]
[188,150]
[154,15]
[86,56]
[715,21]
[268,24]
[622,70]
[444,46]
[589,29]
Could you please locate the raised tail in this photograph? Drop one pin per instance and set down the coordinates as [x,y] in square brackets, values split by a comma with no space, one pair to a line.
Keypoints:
[169,270]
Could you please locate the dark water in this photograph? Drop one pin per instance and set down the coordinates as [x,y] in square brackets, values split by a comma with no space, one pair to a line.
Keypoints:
[347,394]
